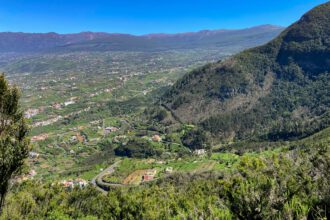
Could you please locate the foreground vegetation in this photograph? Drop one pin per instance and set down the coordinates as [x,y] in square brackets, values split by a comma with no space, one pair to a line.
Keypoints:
[14,144]
[291,183]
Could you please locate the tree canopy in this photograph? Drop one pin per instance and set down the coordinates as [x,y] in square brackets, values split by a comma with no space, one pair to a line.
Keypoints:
[13,135]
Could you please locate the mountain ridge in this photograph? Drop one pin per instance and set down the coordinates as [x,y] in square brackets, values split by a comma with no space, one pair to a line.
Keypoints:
[277,91]
[40,42]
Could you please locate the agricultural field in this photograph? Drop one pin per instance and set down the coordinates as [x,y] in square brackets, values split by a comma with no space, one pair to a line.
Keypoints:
[130,171]
[75,101]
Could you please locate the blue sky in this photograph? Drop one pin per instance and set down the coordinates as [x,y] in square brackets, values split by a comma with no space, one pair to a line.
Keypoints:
[146,16]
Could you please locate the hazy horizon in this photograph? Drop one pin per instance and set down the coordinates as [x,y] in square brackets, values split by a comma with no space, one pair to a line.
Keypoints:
[146,17]
[146,34]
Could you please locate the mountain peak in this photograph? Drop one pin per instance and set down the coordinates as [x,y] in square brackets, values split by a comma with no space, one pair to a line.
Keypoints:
[261,91]
[307,41]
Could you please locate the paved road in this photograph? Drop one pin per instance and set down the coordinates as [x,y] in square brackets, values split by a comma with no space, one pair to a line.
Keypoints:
[107,171]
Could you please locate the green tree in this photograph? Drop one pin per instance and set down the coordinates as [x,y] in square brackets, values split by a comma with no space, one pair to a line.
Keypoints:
[14,144]
[195,139]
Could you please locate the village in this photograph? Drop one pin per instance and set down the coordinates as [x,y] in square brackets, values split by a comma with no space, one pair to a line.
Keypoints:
[71,112]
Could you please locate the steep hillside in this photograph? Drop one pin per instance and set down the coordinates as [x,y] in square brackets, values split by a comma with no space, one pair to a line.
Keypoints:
[276,91]
[94,41]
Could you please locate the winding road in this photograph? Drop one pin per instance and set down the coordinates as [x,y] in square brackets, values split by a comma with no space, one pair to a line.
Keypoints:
[98,179]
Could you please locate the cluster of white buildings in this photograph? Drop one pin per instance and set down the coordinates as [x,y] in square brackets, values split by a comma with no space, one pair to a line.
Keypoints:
[70,184]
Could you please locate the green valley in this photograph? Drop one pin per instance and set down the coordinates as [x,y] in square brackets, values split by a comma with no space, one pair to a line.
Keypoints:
[200,125]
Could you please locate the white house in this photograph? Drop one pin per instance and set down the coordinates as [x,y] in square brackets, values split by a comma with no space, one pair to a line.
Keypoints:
[199,152]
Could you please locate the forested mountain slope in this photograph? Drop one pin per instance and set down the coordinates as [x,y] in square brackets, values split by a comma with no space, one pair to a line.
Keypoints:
[276,91]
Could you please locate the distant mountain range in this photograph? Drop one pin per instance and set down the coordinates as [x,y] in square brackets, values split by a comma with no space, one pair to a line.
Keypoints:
[276,91]
[98,41]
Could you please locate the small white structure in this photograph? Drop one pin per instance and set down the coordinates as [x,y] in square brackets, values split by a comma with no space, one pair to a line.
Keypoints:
[199,152]
[81,183]
[33,155]
[69,103]
[169,170]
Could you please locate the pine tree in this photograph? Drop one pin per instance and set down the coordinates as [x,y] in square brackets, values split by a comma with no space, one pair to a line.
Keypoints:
[14,144]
